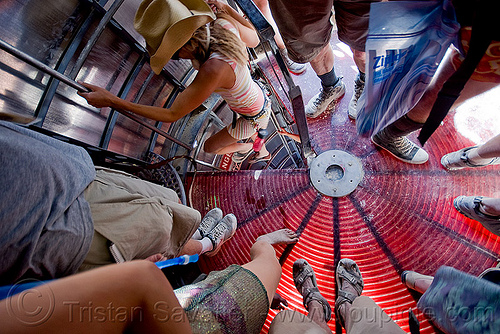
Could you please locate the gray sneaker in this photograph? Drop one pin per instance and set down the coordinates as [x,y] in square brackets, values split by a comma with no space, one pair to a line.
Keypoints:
[459,159]
[401,148]
[209,221]
[321,101]
[222,232]
[353,104]
[293,67]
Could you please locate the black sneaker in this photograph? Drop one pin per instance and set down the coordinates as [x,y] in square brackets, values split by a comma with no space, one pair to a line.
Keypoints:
[401,148]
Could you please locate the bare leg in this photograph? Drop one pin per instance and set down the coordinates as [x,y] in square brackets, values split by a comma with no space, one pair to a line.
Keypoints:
[420,112]
[223,143]
[264,263]
[111,299]
[416,281]
[490,206]
[316,311]
[264,8]
[421,285]
[472,88]
[345,308]
[489,150]
[192,247]
[323,62]
[359,58]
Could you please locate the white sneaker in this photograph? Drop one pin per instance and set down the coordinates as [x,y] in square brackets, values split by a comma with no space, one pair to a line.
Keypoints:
[353,104]
[324,98]
[209,221]
[293,67]
[222,232]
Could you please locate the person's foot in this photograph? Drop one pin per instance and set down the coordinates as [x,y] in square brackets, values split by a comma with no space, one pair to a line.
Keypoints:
[401,148]
[352,110]
[241,156]
[305,282]
[460,159]
[409,278]
[259,157]
[280,237]
[293,67]
[222,232]
[278,302]
[321,101]
[350,286]
[471,207]
[209,221]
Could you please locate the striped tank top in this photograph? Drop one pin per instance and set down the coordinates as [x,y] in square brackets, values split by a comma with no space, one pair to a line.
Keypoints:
[245,96]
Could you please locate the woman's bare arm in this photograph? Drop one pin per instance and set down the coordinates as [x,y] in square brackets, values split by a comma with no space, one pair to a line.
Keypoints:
[213,74]
[248,34]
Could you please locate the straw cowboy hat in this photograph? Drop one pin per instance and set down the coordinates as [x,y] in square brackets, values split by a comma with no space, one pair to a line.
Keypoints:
[167,25]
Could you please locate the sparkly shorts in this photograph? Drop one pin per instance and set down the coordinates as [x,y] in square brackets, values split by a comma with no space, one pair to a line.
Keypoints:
[231,301]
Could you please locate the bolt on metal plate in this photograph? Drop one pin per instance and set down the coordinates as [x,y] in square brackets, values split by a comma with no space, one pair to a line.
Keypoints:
[336,173]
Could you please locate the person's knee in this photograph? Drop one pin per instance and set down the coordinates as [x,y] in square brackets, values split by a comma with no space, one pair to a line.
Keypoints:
[263,251]
[143,273]
[210,146]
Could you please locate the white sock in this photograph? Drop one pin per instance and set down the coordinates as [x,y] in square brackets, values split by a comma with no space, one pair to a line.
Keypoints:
[206,245]
[196,235]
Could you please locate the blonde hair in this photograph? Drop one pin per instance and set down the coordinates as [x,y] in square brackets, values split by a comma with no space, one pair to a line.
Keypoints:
[221,40]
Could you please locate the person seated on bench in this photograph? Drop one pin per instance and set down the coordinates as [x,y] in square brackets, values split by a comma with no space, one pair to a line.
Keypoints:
[59,213]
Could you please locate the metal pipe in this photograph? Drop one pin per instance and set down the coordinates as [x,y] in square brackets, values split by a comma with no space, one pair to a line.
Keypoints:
[41,66]
[95,36]
[153,128]
[50,71]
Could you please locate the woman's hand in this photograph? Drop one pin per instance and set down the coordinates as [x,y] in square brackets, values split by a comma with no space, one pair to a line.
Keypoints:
[156,258]
[217,6]
[278,303]
[98,97]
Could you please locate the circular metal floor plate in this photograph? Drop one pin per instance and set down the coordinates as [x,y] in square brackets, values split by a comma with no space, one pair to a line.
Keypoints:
[336,173]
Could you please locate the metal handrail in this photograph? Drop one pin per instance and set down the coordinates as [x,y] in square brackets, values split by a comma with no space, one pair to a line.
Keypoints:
[72,83]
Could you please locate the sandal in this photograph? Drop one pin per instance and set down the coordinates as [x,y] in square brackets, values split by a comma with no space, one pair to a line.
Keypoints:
[347,270]
[469,207]
[241,156]
[459,159]
[254,158]
[302,271]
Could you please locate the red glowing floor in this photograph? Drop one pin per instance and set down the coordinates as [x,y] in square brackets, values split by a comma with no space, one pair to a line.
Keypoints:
[400,217]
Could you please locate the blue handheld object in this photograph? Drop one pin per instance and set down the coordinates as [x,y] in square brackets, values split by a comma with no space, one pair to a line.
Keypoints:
[181,260]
